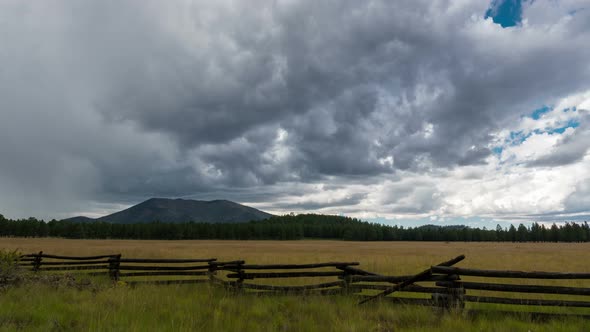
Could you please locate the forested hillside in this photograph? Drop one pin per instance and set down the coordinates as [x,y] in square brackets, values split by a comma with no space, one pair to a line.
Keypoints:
[293,227]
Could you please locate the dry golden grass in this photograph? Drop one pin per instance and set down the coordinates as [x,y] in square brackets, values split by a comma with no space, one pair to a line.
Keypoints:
[380,257]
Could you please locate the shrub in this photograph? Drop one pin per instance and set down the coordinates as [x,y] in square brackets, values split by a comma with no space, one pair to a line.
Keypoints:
[9,268]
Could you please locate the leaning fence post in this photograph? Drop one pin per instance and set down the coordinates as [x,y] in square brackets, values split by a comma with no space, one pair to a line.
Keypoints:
[37,261]
[114,263]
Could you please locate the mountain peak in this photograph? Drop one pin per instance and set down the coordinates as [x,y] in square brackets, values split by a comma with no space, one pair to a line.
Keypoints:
[184,210]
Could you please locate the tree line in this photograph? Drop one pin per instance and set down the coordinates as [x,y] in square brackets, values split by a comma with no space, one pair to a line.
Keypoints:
[292,227]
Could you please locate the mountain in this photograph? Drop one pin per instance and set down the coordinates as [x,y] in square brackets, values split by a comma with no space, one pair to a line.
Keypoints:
[185,210]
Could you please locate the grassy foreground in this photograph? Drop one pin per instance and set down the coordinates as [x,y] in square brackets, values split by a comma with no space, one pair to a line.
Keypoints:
[192,308]
[106,307]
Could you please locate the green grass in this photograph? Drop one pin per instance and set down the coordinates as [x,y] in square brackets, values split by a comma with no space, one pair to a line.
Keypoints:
[204,308]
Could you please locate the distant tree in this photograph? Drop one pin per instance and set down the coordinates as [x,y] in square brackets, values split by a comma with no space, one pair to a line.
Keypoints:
[535,232]
[499,233]
[522,233]
[554,233]
[544,234]
[512,235]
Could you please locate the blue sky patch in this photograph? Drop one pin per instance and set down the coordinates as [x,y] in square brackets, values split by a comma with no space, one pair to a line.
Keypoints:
[497,150]
[570,124]
[518,137]
[507,13]
[537,114]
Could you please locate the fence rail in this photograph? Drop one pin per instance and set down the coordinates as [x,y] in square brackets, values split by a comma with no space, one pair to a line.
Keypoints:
[443,282]
[508,274]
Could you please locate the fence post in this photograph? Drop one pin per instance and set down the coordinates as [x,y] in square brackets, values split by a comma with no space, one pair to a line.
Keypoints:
[453,299]
[114,263]
[346,282]
[457,295]
[212,271]
[240,280]
[37,261]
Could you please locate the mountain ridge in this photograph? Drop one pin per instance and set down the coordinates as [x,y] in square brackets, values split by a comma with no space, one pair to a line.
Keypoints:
[167,210]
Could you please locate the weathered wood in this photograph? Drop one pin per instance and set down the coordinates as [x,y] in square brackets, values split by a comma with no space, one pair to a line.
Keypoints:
[256,275]
[424,275]
[296,266]
[409,288]
[238,262]
[211,271]
[232,266]
[346,285]
[75,268]
[311,292]
[37,262]
[26,259]
[508,274]
[163,273]
[402,300]
[396,279]
[290,288]
[162,268]
[114,264]
[240,276]
[531,302]
[540,289]
[441,301]
[159,260]
[67,263]
[452,299]
[69,257]
[167,282]
[356,271]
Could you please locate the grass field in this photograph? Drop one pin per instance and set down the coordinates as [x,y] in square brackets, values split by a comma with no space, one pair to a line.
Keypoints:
[198,307]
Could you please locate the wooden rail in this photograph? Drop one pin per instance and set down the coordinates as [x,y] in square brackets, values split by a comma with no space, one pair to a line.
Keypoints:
[297,266]
[539,289]
[443,282]
[482,286]
[422,276]
[508,274]
[41,255]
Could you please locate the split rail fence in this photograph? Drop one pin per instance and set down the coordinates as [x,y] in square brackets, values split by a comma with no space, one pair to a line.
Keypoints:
[449,287]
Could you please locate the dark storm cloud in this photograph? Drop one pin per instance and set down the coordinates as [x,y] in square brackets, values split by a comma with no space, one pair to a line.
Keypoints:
[239,70]
[409,197]
[310,205]
[122,100]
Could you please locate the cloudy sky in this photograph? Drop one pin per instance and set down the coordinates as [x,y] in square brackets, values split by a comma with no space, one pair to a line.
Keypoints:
[406,111]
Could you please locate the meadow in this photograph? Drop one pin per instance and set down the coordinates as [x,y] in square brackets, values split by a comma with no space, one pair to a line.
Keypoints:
[110,307]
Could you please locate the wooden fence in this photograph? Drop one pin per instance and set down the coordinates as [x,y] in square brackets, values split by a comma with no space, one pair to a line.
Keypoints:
[526,288]
[445,284]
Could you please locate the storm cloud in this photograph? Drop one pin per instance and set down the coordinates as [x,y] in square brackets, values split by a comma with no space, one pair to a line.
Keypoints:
[373,108]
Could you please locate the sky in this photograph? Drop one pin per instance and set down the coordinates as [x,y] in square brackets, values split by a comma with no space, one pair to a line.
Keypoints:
[402,112]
